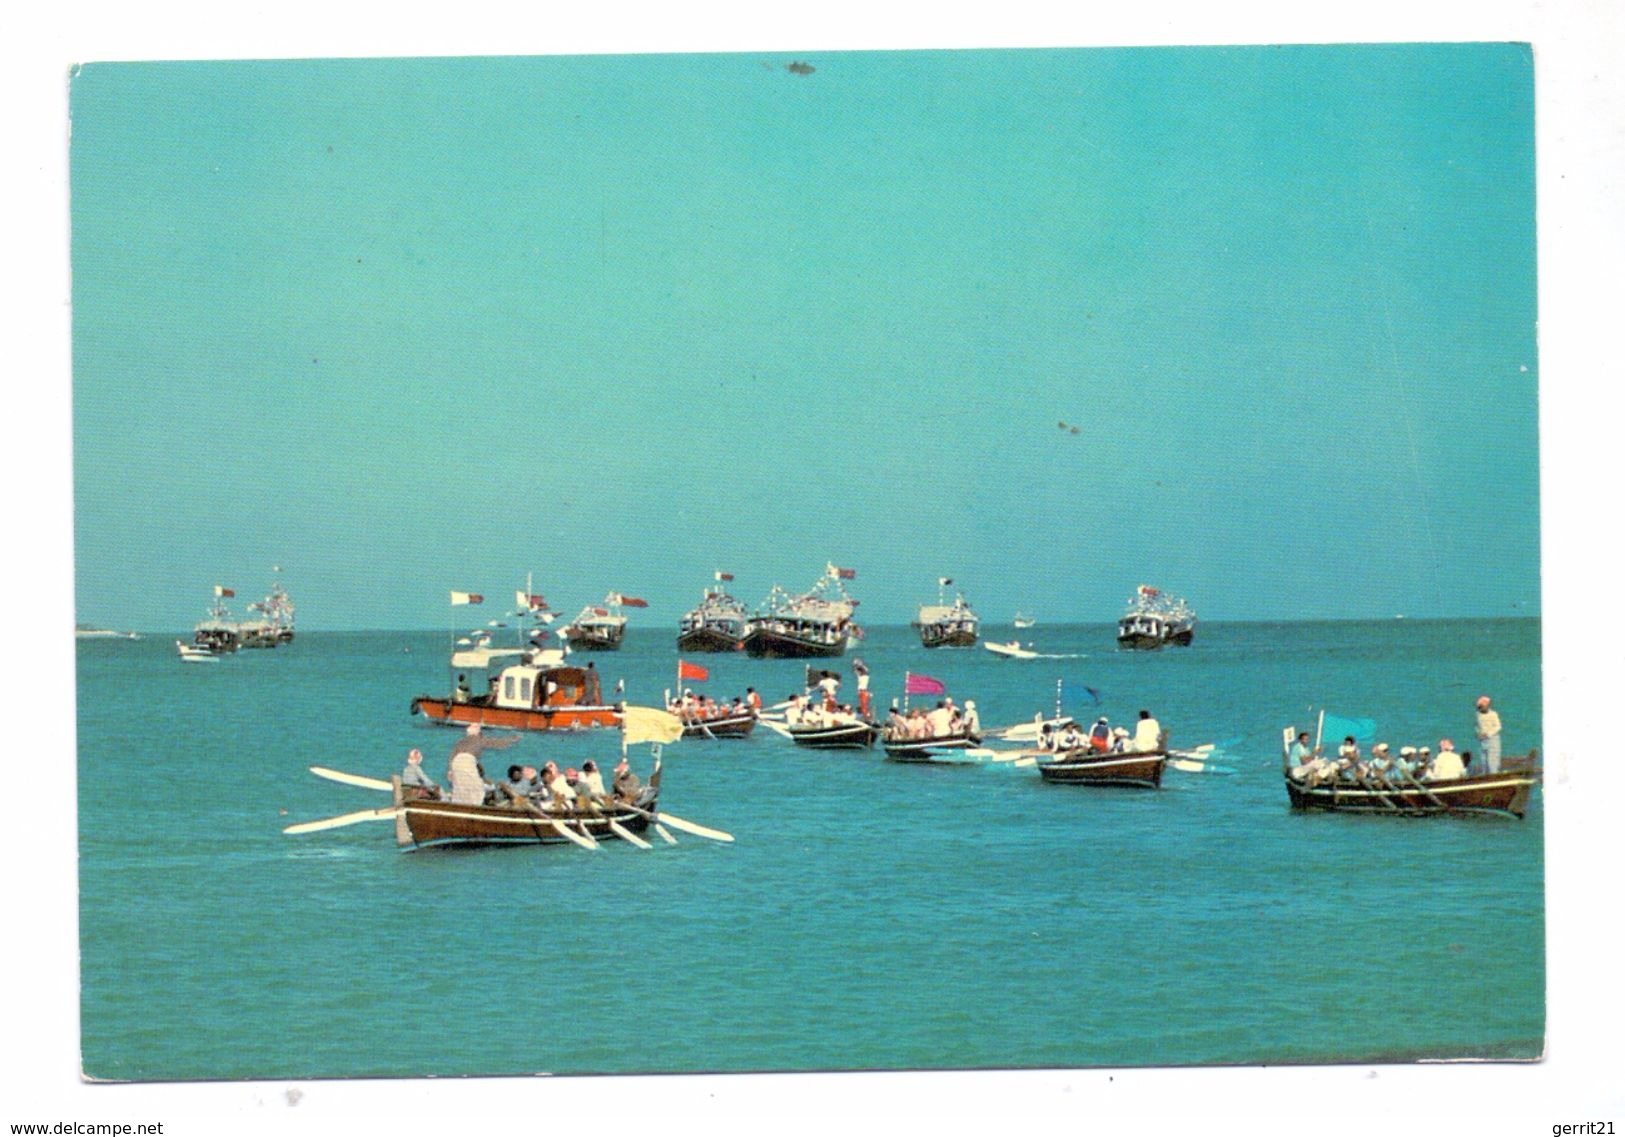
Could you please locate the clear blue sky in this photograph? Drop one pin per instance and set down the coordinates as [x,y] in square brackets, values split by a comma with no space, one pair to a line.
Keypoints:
[408,326]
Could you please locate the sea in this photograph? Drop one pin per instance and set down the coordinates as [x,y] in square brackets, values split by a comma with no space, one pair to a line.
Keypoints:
[867,916]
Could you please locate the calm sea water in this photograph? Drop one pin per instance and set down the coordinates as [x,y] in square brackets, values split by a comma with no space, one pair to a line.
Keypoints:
[869,915]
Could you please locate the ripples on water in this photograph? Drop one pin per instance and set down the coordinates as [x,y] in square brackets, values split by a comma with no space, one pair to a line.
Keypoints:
[869,915]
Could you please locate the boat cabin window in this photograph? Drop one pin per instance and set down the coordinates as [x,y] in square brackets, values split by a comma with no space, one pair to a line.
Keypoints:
[507,687]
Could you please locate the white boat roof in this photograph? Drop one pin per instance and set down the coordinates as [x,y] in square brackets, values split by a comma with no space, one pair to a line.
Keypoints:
[931,613]
[482,656]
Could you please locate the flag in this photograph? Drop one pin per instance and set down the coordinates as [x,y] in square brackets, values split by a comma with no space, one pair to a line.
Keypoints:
[687,671]
[1338,727]
[945,581]
[467,598]
[724,576]
[922,685]
[859,667]
[1147,590]
[845,573]
[529,600]
[546,617]
[633,602]
[219,591]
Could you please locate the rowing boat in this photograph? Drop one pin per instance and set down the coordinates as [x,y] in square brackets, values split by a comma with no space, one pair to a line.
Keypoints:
[1089,768]
[945,750]
[1505,792]
[426,823]
[725,726]
[857,735]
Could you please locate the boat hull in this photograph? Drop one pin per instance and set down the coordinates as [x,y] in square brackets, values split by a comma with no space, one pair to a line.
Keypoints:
[594,639]
[434,824]
[708,640]
[935,637]
[734,726]
[762,643]
[925,751]
[1080,768]
[1503,793]
[566,717]
[844,736]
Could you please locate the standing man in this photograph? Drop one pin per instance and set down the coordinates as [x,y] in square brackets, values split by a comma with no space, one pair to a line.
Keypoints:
[861,670]
[1489,735]
[464,773]
[1147,733]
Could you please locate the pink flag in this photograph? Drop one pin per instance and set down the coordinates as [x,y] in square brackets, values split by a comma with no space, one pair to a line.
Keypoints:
[922,685]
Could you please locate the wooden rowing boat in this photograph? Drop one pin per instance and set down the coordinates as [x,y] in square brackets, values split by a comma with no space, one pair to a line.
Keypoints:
[1506,792]
[945,750]
[422,823]
[1088,768]
[859,735]
[729,726]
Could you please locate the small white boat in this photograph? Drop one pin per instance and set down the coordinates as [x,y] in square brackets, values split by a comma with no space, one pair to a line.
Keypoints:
[190,653]
[1023,621]
[1011,650]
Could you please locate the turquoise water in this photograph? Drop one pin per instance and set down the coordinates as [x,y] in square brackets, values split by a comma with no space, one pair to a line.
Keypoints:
[869,916]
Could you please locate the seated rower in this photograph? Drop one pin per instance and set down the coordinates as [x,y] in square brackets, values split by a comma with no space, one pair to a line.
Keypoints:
[1071,739]
[1120,740]
[1100,736]
[1046,737]
[415,780]
[1447,767]
[517,790]
[1147,734]
[462,694]
[591,783]
[627,784]
[973,721]
[564,794]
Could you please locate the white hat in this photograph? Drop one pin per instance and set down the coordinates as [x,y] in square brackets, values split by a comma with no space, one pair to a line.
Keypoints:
[970,704]
[1379,746]
[1406,751]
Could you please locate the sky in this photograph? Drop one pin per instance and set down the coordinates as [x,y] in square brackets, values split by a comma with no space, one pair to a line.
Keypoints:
[404,326]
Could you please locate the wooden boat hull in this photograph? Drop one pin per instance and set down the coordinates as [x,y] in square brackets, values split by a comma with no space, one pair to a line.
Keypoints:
[594,639]
[845,736]
[940,751]
[933,637]
[762,643]
[708,640]
[735,726]
[1081,768]
[566,717]
[424,823]
[1503,793]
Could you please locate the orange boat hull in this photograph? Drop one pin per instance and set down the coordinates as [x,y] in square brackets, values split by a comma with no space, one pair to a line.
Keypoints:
[563,717]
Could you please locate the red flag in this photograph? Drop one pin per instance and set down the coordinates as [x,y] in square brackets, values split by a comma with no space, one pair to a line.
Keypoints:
[467,598]
[725,576]
[687,671]
[846,574]
[633,602]
[529,600]
[218,591]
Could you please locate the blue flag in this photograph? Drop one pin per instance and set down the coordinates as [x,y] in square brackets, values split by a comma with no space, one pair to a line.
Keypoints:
[1078,690]
[1337,728]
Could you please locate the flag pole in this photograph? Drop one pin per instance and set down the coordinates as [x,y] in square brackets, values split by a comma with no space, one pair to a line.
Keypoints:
[1058,698]
[905,692]
[1320,726]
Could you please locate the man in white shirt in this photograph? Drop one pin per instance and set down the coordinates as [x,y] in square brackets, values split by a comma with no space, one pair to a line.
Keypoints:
[1147,733]
[1489,735]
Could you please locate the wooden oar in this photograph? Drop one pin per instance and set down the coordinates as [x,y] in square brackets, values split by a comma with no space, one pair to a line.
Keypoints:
[777,727]
[665,834]
[341,820]
[350,779]
[627,835]
[582,838]
[696,830]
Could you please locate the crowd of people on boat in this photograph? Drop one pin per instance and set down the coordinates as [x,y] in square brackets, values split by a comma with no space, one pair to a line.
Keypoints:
[1386,767]
[1102,737]
[695,709]
[524,787]
[945,720]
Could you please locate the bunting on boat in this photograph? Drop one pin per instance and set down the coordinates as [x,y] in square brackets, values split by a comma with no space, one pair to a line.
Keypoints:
[840,573]
[922,685]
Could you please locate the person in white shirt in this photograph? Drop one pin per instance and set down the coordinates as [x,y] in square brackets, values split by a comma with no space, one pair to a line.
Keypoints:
[973,721]
[1489,735]
[1147,733]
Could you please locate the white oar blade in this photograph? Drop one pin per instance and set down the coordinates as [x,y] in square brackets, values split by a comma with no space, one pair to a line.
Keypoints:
[628,836]
[350,779]
[696,830]
[581,839]
[1026,761]
[340,821]
[665,834]
[778,728]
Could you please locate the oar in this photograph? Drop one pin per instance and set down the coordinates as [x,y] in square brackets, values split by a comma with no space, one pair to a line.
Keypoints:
[627,835]
[777,727]
[341,820]
[350,779]
[665,834]
[582,838]
[696,830]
